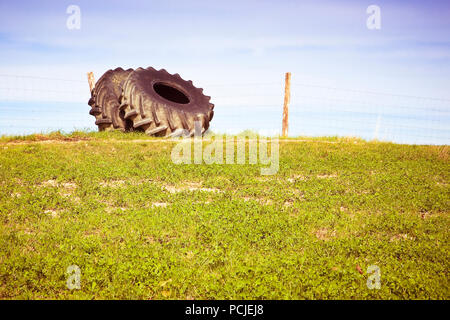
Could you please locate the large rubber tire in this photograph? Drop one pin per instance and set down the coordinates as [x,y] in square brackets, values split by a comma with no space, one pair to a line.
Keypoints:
[105,100]
[162,104]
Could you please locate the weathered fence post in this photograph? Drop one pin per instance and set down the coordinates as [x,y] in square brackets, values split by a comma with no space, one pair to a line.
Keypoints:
[91,80]
[287,97]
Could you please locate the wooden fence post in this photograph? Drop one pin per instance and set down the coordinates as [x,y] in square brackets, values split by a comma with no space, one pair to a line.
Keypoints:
[287,98]
[91,80]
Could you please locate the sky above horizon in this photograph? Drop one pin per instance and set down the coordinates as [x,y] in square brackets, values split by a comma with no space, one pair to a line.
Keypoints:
[211,42]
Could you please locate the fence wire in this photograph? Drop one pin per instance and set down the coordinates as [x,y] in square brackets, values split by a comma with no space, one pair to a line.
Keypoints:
[30,104]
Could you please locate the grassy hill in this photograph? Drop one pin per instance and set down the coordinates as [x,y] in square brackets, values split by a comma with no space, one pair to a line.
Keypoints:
[140,226]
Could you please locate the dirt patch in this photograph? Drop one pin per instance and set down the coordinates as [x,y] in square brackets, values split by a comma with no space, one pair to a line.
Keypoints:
[297,177]
[425,215]
[288,203]
[69,185]
[263,201]
[401,236]
[94,232]
[65,188]
[49,183]
[162,240]
[189,186]
[52,213]
[28,231]
[114,209]
[324,234]
[54,183]
[326,176]
[159,204]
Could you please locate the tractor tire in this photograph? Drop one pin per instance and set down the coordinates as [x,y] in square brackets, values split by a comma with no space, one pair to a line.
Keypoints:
[162,104]
[105,101]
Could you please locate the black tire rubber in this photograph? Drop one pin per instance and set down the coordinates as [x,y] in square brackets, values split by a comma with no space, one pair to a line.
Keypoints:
[162,104]
[105,100]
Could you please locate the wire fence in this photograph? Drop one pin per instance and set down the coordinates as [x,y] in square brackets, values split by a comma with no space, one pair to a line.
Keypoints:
[30,104]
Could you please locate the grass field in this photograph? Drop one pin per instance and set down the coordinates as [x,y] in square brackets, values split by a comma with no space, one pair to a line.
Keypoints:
[141,227]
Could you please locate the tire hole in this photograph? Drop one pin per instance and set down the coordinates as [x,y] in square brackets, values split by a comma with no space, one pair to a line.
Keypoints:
[170,93]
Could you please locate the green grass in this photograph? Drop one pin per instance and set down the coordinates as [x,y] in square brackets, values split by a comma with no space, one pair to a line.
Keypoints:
[141,227]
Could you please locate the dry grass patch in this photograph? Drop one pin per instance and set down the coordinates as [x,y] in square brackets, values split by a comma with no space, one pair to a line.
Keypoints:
[443,152]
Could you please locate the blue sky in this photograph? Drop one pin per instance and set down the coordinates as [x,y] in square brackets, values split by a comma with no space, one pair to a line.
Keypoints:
[224,42]
[322,42]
